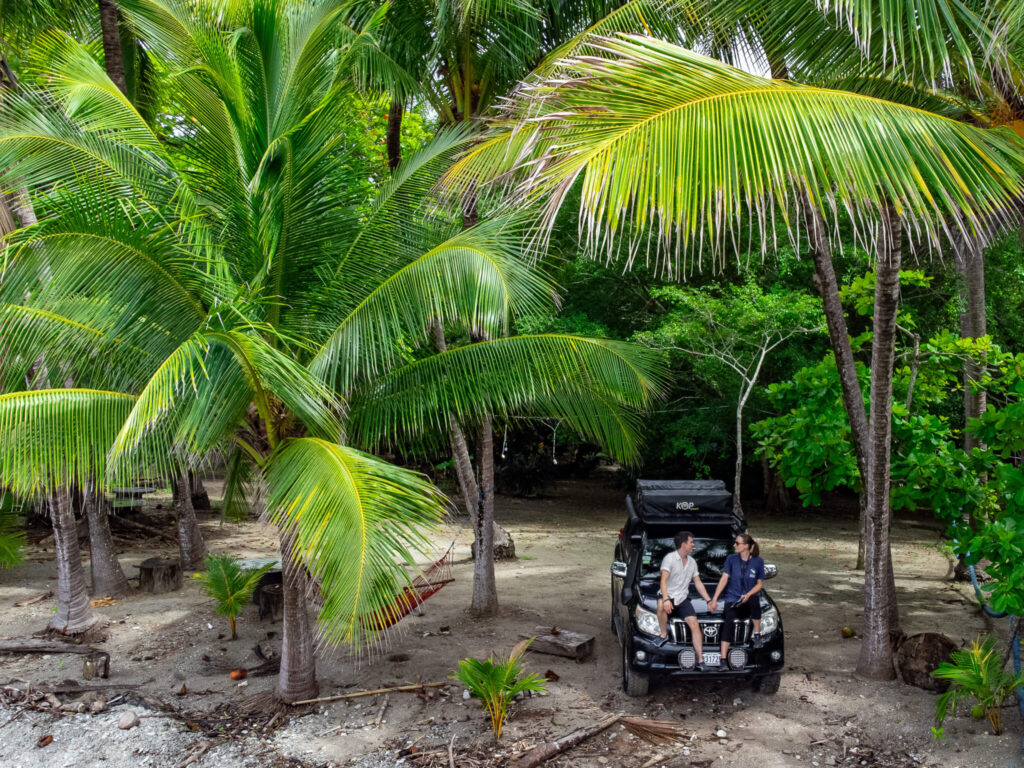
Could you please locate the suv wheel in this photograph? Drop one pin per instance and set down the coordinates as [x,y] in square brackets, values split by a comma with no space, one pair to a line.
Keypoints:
[769,684]
[634,683]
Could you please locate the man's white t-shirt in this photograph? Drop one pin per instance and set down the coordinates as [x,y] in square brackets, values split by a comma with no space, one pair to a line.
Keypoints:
[680,575]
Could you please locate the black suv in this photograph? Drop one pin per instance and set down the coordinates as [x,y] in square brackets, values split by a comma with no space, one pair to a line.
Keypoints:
[704,507]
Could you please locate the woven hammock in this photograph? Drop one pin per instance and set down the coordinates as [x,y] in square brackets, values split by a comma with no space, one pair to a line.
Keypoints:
[423,586]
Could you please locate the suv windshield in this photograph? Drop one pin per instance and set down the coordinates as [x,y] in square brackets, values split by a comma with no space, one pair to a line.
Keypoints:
[710,555]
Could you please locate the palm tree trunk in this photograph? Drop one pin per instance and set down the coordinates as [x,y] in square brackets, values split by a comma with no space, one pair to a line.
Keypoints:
[296,680]
[835,319]
[112,54]
[503,547]
[875,660]
[485,591]
[197,490]
[108,577]
[393,135]
[74,614]
[190,538]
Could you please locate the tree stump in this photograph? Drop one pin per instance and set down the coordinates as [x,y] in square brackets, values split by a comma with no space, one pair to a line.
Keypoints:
[561,642]
[917,656]
[160,574]
[270,599]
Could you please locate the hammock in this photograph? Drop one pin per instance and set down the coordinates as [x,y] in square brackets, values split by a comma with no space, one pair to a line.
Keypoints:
[423,586]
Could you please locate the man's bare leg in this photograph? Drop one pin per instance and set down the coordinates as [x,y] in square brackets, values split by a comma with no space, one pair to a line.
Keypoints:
[698,639]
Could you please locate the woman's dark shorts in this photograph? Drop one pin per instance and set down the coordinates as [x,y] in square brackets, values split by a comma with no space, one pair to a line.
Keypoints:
[748,610]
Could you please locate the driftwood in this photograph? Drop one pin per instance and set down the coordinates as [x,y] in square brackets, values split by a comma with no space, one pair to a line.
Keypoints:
[357,694]
[561,642]
[653,731]
[39,645]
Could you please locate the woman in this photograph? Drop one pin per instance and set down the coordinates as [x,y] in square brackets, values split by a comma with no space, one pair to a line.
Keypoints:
[742,578]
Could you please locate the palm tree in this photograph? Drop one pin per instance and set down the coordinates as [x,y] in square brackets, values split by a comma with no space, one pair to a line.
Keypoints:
[232,291]
[678,154]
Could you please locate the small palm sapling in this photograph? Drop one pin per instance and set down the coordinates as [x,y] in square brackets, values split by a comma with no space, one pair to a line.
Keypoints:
[497,683]
[230,585]
[976,672]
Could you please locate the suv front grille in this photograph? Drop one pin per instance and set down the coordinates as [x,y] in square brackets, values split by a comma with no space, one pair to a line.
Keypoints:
[711,630]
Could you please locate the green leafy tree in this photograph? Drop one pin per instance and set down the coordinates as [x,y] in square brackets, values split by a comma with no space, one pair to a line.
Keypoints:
[230,585]
[733,332]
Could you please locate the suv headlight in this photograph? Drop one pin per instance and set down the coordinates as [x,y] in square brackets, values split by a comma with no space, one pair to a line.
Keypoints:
[769,622]
[647,622]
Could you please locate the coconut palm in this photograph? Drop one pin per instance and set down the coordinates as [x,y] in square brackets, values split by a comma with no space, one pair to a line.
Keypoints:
[230,290]
[679,156]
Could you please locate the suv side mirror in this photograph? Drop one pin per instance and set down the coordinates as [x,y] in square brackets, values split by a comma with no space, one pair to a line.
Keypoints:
[771,570]
[619,569]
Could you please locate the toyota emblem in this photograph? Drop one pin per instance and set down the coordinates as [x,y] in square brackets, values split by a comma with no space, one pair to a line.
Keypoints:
[710,630]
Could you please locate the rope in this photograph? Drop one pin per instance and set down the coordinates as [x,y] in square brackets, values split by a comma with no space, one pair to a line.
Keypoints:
[1016,640]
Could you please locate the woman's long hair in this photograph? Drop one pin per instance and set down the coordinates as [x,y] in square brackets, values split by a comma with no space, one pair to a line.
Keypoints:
[755,551]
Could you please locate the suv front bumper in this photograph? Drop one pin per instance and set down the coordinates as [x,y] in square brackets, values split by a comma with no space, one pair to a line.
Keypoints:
[663,660]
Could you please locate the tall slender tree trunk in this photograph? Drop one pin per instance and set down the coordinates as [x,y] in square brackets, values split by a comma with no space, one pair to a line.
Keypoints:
[74,614]
[973,325]
[296,680]
[112,55]
[485,590]
[502,544]
[875,660]
[393,134]
[108,577]
[853,398]
[835,320]
[190,538]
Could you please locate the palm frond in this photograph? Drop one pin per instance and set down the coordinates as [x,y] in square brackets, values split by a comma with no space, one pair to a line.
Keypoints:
[592,383]
[677,153]
[357,522]
[51,439]
[476,279]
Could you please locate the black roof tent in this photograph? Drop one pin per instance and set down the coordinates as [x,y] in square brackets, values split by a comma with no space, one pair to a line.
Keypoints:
[685,502]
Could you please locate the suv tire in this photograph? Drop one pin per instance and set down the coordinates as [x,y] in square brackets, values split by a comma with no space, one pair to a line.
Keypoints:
[769,684]
[634,683]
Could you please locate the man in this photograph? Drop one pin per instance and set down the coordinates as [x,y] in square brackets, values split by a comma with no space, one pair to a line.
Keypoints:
[678,569]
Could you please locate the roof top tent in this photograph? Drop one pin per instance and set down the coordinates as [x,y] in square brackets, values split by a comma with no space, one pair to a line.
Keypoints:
[689,502]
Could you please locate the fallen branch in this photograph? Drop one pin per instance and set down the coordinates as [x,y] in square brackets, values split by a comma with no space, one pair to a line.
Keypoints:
[370,693]
[38,645]
[653,731]
[380,714]
[203,746]
[37,599]
[144,528]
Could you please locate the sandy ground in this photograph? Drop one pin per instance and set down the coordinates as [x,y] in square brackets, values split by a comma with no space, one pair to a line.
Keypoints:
[822,716]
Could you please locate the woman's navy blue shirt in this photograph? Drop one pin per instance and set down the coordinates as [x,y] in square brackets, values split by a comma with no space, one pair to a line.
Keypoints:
[742,576]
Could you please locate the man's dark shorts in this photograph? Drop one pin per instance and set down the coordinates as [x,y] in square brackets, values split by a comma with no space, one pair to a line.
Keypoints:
[683,610]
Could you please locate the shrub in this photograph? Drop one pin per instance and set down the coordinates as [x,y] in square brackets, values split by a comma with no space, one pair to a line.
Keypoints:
[497,683]
[230,585]
[976,673]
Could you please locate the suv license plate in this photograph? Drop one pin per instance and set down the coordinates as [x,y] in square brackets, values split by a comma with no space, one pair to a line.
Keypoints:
[713,659]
